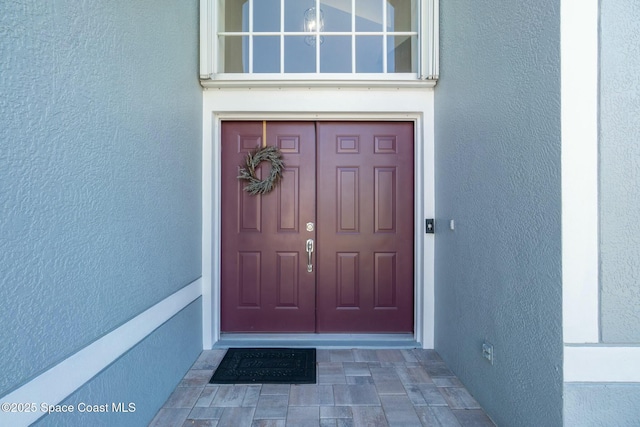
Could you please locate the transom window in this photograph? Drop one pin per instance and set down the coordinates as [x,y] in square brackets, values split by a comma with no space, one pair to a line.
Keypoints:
[319,39]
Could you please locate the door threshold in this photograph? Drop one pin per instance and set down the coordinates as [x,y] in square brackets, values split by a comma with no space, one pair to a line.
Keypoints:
[323,341]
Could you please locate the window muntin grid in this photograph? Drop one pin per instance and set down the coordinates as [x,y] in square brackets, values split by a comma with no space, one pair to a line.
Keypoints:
[259,37]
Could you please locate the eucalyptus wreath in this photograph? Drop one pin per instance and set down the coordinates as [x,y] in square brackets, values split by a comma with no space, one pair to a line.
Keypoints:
[266,154]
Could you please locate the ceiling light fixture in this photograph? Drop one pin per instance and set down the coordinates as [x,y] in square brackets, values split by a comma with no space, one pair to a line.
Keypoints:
[313,23]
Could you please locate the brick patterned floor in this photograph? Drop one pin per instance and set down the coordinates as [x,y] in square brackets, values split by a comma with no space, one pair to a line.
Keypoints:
[355,388]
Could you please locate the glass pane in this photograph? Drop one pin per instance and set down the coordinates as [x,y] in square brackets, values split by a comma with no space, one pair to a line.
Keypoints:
[266,15]
[299,57]
[236,16]
[399,15]
[369,54]
[335,54]
[266,54]
[294,14]
[369,15]
[400,54]
[236,54]
[336,15]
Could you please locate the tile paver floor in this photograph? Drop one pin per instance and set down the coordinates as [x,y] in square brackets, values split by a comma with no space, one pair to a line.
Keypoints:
[354,388]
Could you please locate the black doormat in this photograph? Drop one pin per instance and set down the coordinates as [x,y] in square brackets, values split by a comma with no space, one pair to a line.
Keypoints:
[267,366]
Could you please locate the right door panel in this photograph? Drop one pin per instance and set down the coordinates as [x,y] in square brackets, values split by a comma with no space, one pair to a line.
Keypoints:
[365,227]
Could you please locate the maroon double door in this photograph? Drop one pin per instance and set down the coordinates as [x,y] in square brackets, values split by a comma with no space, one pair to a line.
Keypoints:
[347,194]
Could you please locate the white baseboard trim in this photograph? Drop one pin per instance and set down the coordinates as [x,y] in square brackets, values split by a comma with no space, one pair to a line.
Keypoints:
[56,384]
[601,364]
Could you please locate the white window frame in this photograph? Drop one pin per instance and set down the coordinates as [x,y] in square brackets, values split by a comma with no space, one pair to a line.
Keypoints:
[426,75]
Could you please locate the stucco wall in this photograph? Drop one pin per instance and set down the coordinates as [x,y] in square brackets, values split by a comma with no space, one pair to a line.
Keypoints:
[145,376]
[594,405]
[620,170]
[100,171]
[498,275]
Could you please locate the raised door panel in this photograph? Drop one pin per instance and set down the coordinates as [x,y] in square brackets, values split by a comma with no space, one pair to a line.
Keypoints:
[248,279]
[288,280]
[347,281]
[385,199]
[385,280]
[346,196]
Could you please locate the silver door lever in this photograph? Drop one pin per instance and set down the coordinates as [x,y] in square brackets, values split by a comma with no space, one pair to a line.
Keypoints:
[309,252]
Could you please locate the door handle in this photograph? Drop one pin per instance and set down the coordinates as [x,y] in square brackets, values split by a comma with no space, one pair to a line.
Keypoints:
[309,258]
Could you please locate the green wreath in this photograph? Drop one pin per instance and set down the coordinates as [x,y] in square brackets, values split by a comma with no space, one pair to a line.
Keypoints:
[259,155]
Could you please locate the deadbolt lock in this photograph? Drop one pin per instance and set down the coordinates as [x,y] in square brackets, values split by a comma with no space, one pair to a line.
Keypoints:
[309,226]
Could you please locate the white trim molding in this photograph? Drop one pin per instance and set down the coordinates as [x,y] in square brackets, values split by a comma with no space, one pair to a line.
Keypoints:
[306,81]
[317,104]
[206,38]
[59,382]
[430,40]
[602,364]
[579,92]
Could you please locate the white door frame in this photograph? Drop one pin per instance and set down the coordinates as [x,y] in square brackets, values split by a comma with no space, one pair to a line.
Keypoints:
[318,104]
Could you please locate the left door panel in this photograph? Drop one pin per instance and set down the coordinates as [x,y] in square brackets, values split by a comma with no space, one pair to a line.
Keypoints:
[265,284]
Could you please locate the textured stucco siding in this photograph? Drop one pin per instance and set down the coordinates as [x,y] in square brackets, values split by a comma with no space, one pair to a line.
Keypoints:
[144,376]
[497,136]
[100,170]
[620,170]
[596,405]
